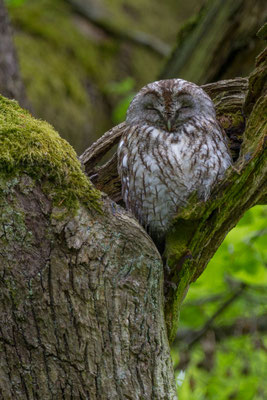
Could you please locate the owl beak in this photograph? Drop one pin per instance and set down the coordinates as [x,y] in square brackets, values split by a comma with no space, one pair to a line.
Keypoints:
[169,125]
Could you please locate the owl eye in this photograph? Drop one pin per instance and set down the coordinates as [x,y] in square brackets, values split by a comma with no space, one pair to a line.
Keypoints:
[184,107]
[151,108]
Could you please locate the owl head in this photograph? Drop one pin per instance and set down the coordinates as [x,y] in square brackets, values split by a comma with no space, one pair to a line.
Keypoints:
[168,104]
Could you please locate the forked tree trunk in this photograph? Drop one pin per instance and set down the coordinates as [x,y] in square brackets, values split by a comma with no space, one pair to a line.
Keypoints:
[81,310]
[199,229]
[82,305]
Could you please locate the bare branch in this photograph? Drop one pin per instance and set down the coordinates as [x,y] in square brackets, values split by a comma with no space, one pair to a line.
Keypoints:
[197,335]
[241,326]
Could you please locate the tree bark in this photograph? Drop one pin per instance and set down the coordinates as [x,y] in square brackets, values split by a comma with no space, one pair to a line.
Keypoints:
[81,282]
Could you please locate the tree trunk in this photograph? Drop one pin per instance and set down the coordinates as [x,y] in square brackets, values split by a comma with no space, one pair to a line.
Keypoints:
[218,43]
[81,282]
[10,81]
[82,306]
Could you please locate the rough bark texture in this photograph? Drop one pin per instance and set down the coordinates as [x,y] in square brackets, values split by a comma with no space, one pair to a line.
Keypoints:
[81,285]
[218,43]
[82,305]
[10,81]
[81,282]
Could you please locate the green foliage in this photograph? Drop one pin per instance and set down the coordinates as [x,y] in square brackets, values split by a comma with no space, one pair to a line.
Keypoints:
[119,112]
[239,366]
[239,373]
[123,90]
[32,147]
[242,255]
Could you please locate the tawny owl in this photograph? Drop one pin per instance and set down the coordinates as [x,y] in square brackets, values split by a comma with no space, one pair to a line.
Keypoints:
[172,146]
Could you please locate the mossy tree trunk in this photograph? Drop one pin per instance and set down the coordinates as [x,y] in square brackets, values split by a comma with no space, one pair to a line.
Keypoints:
[81,310]
[10,81]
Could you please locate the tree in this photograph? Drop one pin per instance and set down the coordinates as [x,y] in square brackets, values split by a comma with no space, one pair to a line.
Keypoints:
[81,298]
[82,305]
[217,43]
[10,81]
[82,284]
[205,222]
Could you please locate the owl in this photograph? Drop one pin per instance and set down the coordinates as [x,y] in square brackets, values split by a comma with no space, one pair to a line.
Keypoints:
[172,146]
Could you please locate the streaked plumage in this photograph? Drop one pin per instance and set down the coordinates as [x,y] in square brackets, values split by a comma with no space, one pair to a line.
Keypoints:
[172,146]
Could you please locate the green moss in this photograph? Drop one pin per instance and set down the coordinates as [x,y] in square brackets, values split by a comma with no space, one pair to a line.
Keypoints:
[67,63]
[230,120]
[32,147]
[179,258]
[188,27]
[64,71]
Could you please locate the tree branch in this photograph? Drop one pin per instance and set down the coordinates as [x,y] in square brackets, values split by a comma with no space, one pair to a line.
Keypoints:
[94,154]
[140,38]
[219,41]
[241,326]
[199,229]
[197,335]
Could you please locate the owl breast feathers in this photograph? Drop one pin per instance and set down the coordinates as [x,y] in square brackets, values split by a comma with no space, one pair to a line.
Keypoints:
[172,146]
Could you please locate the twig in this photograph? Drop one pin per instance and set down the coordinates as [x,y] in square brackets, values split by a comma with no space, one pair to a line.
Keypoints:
[204,300]
[198,334]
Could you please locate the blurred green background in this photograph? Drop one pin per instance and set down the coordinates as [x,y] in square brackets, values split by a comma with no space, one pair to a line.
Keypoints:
[82,60]
[221,349]
[81,63]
